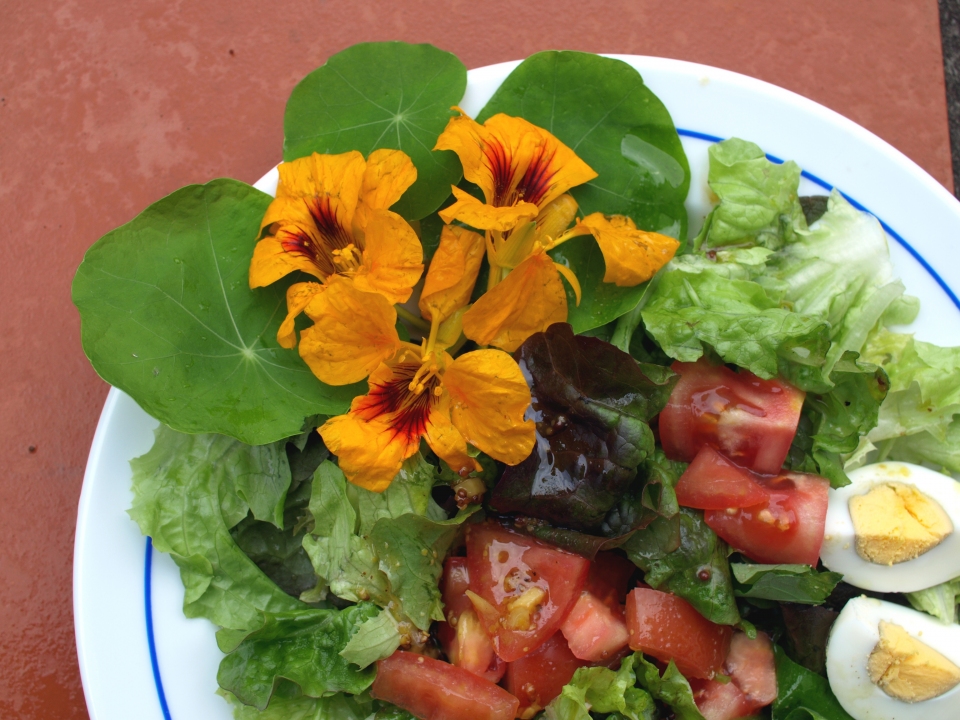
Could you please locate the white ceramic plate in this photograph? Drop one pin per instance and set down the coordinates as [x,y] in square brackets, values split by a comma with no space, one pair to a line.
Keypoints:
[141,658]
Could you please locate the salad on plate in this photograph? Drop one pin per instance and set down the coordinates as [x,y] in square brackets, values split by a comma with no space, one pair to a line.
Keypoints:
[465,420]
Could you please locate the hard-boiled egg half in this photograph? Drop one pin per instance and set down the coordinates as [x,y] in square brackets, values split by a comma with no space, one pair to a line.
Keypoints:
[894,528]
[888,662]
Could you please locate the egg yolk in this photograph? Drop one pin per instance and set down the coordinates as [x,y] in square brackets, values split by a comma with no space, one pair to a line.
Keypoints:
[894,523]
[907,669]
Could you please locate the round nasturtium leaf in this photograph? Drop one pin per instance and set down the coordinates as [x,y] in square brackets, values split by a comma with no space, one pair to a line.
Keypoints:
[382,95]
[601,108]
[167,316]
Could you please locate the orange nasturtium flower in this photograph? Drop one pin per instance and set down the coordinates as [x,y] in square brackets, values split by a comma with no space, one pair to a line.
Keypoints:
[524,173]
[420,391]
[330,219]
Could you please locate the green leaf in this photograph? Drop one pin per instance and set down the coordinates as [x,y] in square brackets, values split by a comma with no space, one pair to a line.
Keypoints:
[593,403]
[832,422]
[602,109]
[671,688]
[697,570]
[784,583]
[409,492]
[397,564]
[377,638]
[940,601]
[382,95]
[186,500]
[168,317]
[697,304]
[601,690]
[296,706]
[303,647]
[279,552]
[801,690]
[758,198]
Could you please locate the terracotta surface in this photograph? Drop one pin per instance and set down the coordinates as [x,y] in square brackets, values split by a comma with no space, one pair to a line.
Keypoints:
[108,106]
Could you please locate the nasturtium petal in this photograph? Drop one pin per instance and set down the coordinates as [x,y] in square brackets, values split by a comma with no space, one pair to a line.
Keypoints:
[488,399]
[369,454]
[382,95]
[530,299]
[353,332]
[388,175]
[447,441]
[632,256]
[271,261]
[339,176]
[511,159]
[392,257]
[453,272]
[468,209]
[601,109]
[168,317]
[299,296]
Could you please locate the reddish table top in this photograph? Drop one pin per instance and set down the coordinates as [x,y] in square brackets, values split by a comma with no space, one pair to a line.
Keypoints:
[105,107]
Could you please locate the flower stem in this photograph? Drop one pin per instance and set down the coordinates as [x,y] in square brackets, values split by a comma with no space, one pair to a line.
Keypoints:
[415,320]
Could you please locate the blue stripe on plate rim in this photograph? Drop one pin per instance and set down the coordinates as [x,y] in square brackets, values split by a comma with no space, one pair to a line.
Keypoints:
[148,561]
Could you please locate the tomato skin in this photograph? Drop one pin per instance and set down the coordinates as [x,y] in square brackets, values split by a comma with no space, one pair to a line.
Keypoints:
[720,701]
[750,420]
[712,482]
[538,678]
[669,628]
[528,586]
[787,528]
[434,690]
[462,636]
[594,631]
[752,667]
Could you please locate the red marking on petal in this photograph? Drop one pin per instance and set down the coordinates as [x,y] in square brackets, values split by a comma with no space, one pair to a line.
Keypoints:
[537,179]
[502,173]
[298,242]
[406,412]
[325,217]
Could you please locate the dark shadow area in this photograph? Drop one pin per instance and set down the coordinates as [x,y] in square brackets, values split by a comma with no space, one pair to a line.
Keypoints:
[950,33]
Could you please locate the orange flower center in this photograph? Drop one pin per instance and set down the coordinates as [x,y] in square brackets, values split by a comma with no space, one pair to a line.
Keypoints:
[405,409]
[337,251]
[532,186]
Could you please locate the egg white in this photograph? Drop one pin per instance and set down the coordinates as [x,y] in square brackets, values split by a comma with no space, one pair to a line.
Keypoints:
[853,637]
[938,565]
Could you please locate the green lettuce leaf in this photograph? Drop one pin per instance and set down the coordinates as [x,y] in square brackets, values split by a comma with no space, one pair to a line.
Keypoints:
[303,647]
[670,688]
[807,632]
[784,583]
[279,552]
[924,385]
[925,448]
[701,303]
[601,108]
[397,564]
[832,422]
[940,601]
[185,498]
[382,95]
[288,703]
[167,316]
[758,198]
[838,271]
[697,569]
[800,691]
[593,403]
[604,691]
[378,637]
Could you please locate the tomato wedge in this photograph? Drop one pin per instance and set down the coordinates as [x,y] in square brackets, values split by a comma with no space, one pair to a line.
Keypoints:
[434,690]
[595,631]
[712,482]
[787,528]
[669,628]
[750,420]
[720,701]
[521,588]
[538,678]
[462,636]
[751,666]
